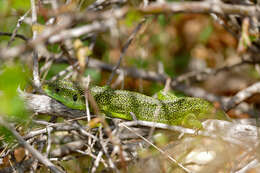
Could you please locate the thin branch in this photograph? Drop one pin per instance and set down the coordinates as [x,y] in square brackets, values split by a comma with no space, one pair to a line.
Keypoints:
[201,93]
[64,72]
[159,149]
[129,71]
[123,51]
[12,52]
[242,96]
[16,35]
[201,7]
[40,146]
[103,144]
[252,165]
[96,163]
[77,32]
[82,131]
[101,4]
[68,148]
[63,127]
[204,74]
[240,134]
[36,76]
[49,141]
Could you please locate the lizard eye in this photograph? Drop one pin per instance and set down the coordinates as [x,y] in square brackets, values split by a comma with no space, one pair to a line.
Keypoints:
[57,90]
[75,97]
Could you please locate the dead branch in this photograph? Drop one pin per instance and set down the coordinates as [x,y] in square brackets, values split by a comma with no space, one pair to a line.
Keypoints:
[41,104]
[216,7]
[242,96]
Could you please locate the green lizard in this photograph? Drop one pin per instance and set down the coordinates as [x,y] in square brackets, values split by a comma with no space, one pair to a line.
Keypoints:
[166,108]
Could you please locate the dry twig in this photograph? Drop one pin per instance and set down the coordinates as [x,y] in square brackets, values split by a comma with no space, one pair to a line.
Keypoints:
[33,151]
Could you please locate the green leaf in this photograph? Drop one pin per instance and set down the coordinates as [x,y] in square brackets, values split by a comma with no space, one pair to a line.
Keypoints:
[12,77]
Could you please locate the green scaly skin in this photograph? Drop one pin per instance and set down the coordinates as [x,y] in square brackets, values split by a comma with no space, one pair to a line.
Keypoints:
[167,108]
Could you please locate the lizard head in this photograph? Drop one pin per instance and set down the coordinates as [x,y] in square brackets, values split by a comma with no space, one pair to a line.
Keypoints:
[66,92]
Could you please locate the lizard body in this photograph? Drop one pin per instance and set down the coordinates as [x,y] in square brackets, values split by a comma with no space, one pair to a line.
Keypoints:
[167,108]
